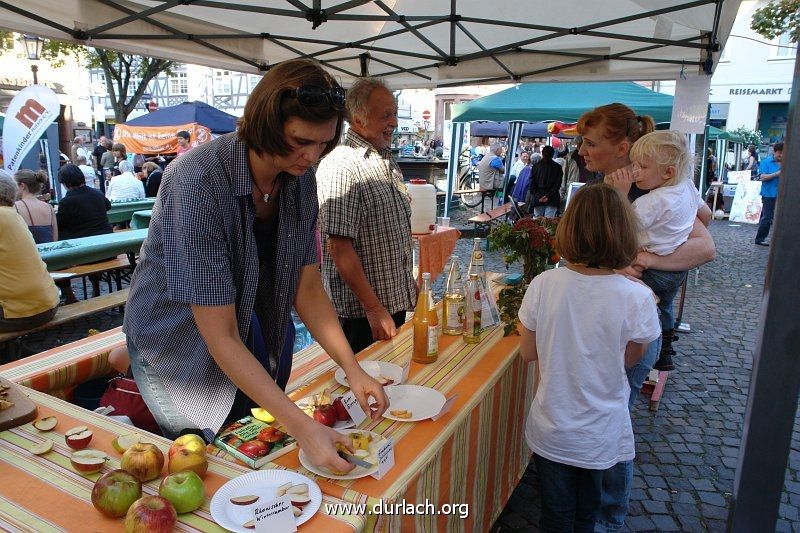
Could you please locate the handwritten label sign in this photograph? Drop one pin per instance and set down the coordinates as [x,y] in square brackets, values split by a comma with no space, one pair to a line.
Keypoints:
[275,517]
[353,408]
[385,459]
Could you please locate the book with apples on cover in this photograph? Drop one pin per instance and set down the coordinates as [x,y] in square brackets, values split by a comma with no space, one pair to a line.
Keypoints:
[254,442]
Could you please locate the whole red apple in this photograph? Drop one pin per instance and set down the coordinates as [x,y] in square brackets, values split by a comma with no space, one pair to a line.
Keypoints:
[151,514]
[144,460]
[270,434]
[325,414]
[115,492]
[341,412]
[254,448]
[184,490]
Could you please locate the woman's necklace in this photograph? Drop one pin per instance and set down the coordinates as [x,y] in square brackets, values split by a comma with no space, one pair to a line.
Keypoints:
[266,196]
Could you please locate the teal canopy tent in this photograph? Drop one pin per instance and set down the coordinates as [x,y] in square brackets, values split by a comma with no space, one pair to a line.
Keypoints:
[716,134]
[532,102]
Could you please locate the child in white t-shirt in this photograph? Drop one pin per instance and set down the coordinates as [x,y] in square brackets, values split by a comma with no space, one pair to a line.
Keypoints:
[579,425]
[662,166]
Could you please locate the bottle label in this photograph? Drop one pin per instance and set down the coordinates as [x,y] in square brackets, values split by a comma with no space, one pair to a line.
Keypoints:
[477,258]
[455,314]
[433,340]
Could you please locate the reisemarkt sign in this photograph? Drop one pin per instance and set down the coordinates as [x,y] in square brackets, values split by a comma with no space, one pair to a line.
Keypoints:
[29,114]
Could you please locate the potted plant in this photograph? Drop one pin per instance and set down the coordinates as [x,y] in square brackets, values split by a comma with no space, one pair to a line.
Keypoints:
[531,240]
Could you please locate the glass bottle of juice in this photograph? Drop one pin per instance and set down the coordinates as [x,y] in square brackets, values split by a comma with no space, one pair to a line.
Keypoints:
[472,311]
[454,296]
[476,262]
[426,325]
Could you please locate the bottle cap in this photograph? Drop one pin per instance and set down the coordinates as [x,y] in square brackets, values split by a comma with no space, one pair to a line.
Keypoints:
[426,275]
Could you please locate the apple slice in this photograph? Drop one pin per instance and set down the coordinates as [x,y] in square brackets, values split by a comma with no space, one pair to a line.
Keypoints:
[299,500]
[280,491]
[42,448]
[46,424]
[78,438]
[88,461]
[302,488]
[123,442]
[244,500]
[296,511]
[250,524]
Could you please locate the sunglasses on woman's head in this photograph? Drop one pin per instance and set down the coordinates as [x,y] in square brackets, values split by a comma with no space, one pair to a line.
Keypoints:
[313,95]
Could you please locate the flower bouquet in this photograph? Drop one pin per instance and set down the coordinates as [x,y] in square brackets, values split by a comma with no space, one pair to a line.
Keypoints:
[533,241]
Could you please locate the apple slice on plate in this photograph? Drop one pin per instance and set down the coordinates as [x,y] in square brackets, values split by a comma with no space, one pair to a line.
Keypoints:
[88,461]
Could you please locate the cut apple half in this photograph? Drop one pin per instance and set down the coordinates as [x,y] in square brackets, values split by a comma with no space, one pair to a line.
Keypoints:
[123,442]
[296,511]
[300,500]
[42,448]
[88,461]
[78,438]
[46,424]
[244,500]
[250,524]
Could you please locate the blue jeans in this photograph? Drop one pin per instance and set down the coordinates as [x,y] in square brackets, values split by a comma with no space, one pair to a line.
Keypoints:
[570,496]
[548,211]
[618,479]
[155,395]
[665,285]
[765,222]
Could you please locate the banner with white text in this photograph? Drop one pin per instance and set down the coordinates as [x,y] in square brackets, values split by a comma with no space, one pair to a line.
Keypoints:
[29,114]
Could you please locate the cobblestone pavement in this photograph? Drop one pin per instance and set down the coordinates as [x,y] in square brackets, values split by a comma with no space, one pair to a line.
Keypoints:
[686,452]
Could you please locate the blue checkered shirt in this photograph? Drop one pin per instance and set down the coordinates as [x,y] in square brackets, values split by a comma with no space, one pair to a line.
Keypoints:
[362,196]
[200,250]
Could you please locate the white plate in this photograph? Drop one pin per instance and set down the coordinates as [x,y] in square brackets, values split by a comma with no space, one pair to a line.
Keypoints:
[423,402]
[374,369]
[261,483]
[339,424]
[358,471]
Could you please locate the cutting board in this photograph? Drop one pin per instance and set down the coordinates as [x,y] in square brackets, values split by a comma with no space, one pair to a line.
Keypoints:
[23,410]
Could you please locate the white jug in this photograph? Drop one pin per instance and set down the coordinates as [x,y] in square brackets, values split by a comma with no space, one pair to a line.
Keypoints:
[423,206]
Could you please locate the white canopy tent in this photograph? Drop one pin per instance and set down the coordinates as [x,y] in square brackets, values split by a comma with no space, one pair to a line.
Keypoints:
[411,43]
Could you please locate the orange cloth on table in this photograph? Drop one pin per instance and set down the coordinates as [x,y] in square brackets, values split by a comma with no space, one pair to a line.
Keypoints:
[26,288]
[435,249]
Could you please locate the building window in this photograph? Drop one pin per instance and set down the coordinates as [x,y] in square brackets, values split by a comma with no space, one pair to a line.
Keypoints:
[179,83]
[253,80]
[785,48]
[448,111]
[222,82]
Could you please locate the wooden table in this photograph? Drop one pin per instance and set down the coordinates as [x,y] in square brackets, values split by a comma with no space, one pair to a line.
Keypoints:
[64,254]
[475,454]
[123,211]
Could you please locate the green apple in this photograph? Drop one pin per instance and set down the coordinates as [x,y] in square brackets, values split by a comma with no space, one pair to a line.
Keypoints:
[184,490]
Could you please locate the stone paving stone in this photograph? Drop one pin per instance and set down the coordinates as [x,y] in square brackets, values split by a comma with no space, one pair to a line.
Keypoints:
[690,524]
[640,523]
[654,507]
[664,522]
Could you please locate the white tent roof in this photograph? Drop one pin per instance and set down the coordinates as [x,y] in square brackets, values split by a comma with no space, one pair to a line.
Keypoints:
[412,43]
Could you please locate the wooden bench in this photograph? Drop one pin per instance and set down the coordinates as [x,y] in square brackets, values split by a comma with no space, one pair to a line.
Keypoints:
[66,314]
[99,271]
[493,215]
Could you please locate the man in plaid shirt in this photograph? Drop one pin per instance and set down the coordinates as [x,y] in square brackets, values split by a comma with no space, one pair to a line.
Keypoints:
[365,216]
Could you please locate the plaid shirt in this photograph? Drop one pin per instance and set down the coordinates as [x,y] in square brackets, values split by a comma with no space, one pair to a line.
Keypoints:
[362,196]
[200,250]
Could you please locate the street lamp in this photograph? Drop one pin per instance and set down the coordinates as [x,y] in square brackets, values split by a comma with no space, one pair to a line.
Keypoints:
[33,48]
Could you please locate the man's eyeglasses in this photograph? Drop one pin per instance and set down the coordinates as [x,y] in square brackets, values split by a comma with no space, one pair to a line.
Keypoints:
[312,95]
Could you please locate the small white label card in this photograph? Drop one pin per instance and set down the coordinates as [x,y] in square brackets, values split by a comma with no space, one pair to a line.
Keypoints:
[446,407]
[385,459]
[406,368]
[353,408]
[275,516]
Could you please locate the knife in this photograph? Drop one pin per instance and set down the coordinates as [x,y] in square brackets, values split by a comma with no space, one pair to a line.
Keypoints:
[352,459]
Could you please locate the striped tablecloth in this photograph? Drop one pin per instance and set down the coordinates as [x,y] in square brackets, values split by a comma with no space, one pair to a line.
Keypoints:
[475,454]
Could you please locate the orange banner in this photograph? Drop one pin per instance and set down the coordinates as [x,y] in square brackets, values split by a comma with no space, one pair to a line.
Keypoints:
[158,139]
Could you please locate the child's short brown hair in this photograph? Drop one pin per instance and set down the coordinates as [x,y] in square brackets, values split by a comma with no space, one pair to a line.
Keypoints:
[270,106]
[599,228]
